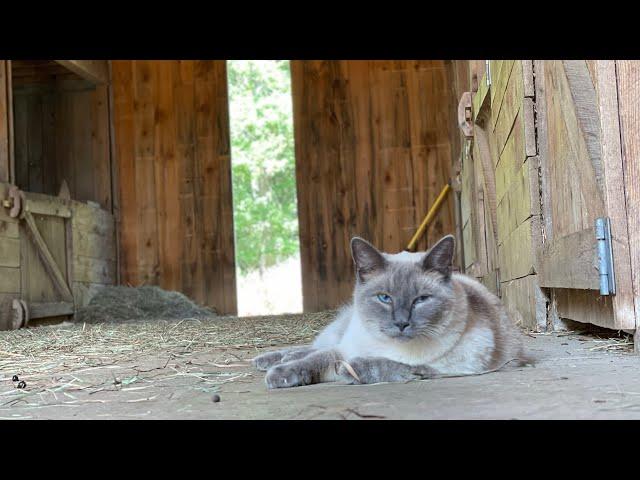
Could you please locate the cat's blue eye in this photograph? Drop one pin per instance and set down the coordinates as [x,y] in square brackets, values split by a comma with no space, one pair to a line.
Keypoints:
[422,298]
[384,298]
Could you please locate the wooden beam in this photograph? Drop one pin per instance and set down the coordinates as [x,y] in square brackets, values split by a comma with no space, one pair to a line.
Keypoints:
[50,309]
[623,301]
[5,168]
[628,73]
[96,71]
[40,204]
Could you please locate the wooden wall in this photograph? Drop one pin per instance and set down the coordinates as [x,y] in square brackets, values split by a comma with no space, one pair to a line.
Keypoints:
[373,150]
[172,145]
[62,133]
[93,251]
[9,262]
[500,200]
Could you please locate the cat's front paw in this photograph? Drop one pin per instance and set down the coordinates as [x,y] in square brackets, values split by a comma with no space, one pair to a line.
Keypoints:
[286,376]
[267,360]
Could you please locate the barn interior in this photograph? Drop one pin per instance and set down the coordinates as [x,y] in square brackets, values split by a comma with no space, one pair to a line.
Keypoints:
[118,173]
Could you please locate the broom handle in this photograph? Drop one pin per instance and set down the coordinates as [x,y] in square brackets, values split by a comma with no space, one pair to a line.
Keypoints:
[430,215]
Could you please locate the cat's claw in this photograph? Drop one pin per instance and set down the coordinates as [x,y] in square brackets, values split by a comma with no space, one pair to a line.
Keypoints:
[286,376]
[346,371]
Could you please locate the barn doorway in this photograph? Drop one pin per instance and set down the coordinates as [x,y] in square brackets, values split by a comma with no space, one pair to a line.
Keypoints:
[264,187]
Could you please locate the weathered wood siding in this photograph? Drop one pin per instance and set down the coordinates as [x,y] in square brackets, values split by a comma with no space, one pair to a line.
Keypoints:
[173,153]
[93,251]
[62,134]
[500,202]
[9,262]
[373,151]
[5,121]
[81,243]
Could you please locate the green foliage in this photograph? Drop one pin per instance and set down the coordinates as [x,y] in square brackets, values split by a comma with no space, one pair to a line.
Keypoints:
[262,151]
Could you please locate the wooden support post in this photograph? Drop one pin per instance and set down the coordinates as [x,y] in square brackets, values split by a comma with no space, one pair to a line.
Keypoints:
[628,76]
[623,300]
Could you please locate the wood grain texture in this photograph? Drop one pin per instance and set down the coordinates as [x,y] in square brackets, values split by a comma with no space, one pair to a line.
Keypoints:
[586,306]
[172,150]
[96,71]
[576,199]
[52,252]
[5,169]
[525,302]
[571,261]
[628,74]
[62,134]
[614,195]
[373,150]
[582,179]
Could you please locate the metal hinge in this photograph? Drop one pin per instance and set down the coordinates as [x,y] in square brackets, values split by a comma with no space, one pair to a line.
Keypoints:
[605,256]
[488,68]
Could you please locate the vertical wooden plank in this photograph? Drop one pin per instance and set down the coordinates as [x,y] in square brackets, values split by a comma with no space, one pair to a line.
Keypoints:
[213,197]
[4,122]
[184,107]
[623,301]
[101,147]
[167,174]
[51,185]
[306,137]
[114,176]
[145,81]
[628,76]
[543,151]
[22,141]
[35,142]
[124,104]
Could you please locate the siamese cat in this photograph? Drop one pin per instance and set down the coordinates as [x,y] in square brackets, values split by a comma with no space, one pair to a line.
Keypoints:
[411,318]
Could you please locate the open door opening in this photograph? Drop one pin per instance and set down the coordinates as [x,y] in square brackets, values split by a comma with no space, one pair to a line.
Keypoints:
[264,187]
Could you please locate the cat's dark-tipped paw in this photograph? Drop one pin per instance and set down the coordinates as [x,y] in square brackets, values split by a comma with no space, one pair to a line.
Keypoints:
[286,376]
[267,360]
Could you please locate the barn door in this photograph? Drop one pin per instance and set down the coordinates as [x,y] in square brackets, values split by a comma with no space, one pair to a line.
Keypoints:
[478,190]
[44,256]
[582,184]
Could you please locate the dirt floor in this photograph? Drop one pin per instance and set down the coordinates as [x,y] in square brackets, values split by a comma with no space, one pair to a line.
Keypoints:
[172,370]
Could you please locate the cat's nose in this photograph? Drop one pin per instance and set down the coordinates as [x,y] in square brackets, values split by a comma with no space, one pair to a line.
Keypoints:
[402,324]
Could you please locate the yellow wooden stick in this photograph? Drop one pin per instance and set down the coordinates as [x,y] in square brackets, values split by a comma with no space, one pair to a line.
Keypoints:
[427,220]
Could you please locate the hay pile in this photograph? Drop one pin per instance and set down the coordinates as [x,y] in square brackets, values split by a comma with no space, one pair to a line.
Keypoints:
[122,304]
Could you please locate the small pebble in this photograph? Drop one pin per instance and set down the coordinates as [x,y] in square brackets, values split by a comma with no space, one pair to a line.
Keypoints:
[15,378]
[216,398]
[22,384]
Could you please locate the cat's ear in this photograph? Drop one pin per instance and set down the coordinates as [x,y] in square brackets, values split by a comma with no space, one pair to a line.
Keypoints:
[369,261]
[440,256]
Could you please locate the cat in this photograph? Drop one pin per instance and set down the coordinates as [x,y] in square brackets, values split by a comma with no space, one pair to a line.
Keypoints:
[411,318]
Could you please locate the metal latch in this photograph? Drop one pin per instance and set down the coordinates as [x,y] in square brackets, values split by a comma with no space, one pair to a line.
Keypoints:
[605,256]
